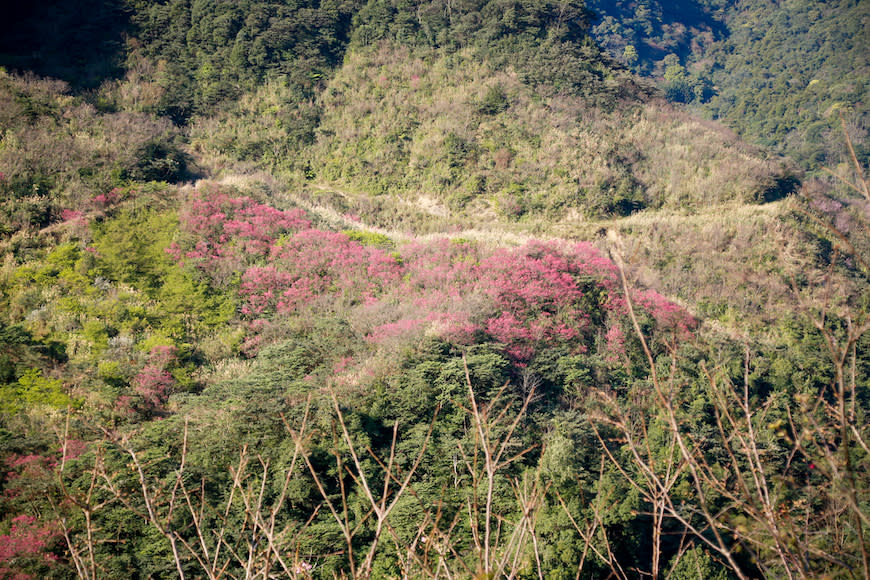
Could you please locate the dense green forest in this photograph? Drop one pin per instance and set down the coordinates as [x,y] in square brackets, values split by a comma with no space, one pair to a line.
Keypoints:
[781,74]
[434,289]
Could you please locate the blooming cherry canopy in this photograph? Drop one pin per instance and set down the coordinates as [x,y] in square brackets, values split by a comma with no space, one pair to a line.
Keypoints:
[524,298]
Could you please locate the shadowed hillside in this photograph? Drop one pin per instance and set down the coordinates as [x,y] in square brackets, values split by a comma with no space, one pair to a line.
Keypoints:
[81,43]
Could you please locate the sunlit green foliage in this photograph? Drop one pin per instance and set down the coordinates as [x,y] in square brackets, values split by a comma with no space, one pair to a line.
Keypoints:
[33,391]
[210,378]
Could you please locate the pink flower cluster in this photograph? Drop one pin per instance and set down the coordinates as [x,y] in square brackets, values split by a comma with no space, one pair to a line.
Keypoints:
[524,298]
[615,343]
[73,449]
[108,199]
[27,539]
[154,383]
[667,314]
[69,215]
[223,235]
[315,263]
[399,329]
[240,222]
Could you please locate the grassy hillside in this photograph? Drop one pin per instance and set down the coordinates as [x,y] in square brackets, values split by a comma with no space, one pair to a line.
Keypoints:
[399,289]
[401,123]
[59,151]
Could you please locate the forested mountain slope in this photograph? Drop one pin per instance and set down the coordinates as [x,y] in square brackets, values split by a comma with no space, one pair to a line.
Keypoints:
[788,71]
[424,289]
[781,74]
